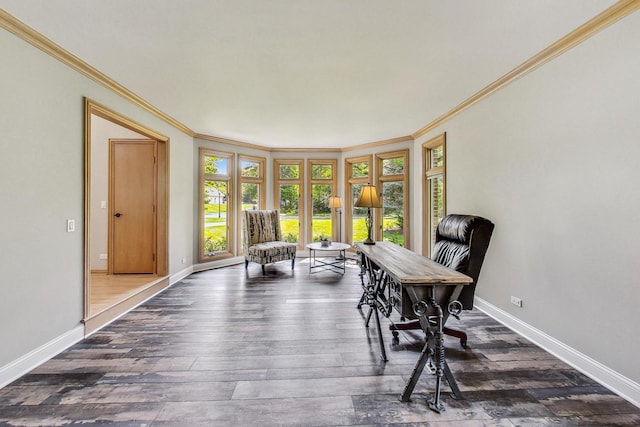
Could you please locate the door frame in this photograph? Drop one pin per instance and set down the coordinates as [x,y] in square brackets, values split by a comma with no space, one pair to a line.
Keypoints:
[92,108]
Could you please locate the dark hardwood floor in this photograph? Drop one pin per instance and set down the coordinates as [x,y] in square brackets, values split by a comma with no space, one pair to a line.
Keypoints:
[228,347]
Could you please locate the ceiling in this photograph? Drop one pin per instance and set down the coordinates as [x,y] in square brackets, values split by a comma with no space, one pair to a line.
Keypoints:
[304,73]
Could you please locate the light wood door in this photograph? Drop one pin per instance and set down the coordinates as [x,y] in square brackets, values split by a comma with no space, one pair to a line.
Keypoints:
[132,193]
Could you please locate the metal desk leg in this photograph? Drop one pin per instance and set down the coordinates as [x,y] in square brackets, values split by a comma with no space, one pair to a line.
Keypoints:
[383,353]
[434,346]
[375,284]
[372,300]
[363,298]
[415,375]
[434,403]
[455,391]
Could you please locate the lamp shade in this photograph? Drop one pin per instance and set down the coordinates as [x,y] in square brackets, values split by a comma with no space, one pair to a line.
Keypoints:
[335,202]
[368,197]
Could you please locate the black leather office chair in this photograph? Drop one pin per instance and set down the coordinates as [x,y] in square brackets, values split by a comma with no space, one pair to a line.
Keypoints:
[461,244]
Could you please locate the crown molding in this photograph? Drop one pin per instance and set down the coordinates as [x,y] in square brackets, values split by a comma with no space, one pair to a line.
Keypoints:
[301,150]
[601,21]
[306,150]
[606,18]
[379,143]
[31,36]
[261,147]
[229,141]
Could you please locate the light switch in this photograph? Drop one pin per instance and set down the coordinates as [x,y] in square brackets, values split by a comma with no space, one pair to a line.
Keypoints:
[103,204]
[71,225]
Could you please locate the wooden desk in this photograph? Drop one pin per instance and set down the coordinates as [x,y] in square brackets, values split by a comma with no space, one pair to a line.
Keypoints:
[415,286]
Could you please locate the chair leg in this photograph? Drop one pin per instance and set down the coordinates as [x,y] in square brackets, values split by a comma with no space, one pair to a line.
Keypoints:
[246,263]
[293,263]
[263,272]
[458,334]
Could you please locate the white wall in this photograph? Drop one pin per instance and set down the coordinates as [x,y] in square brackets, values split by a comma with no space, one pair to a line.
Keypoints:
[552,159]
[41,176]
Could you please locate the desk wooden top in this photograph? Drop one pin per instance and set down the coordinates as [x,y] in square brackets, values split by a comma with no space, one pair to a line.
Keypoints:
[408,267]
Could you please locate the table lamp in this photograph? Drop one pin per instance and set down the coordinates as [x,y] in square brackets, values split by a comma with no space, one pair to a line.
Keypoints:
[368,198]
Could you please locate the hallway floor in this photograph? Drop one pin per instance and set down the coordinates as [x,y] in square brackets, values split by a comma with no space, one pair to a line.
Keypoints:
[229,347]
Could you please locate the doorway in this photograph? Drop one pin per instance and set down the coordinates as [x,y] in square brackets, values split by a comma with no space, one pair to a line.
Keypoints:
[132,206]
[126,214]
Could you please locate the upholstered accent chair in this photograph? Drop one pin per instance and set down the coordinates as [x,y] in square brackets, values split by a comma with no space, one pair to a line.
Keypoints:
[461,244]
[262,239]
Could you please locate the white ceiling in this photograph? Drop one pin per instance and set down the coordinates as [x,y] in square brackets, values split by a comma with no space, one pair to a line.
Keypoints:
[304,73]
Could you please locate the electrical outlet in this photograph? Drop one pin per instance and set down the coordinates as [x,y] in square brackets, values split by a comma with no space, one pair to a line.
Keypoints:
[516,301]
[183,260]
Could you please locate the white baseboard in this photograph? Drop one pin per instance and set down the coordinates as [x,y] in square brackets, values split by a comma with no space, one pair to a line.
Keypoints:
[217,264]
[35,358]
[174,278]
[619,384]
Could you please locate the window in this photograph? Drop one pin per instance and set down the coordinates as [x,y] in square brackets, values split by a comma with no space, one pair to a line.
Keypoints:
[393,183]
[251,182]
[358,172]
[288,197]
[216,205]
[322,185]
[434,200]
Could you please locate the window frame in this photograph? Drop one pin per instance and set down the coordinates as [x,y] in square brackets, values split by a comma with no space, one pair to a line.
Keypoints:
[229,178]
[428,174]
[349,181]
[333,182]
[262,191]
[380,180]
[277,181]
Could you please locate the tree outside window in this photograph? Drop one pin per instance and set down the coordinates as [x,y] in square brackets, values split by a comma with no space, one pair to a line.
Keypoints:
[393,182]
[216,207]
[358,171]
[288,196]
[322,183]
[434,186]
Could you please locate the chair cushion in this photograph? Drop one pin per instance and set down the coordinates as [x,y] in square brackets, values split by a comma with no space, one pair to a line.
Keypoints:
[271,249]
[452,254]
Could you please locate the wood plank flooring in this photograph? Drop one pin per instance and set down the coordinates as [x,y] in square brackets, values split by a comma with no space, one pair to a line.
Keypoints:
[110,289]
[229,347]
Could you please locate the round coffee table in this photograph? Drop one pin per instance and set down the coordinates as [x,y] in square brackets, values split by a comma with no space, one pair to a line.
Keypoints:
[336,264]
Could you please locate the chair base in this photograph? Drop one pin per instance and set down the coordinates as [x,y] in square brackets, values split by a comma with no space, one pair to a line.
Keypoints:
[415,324]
